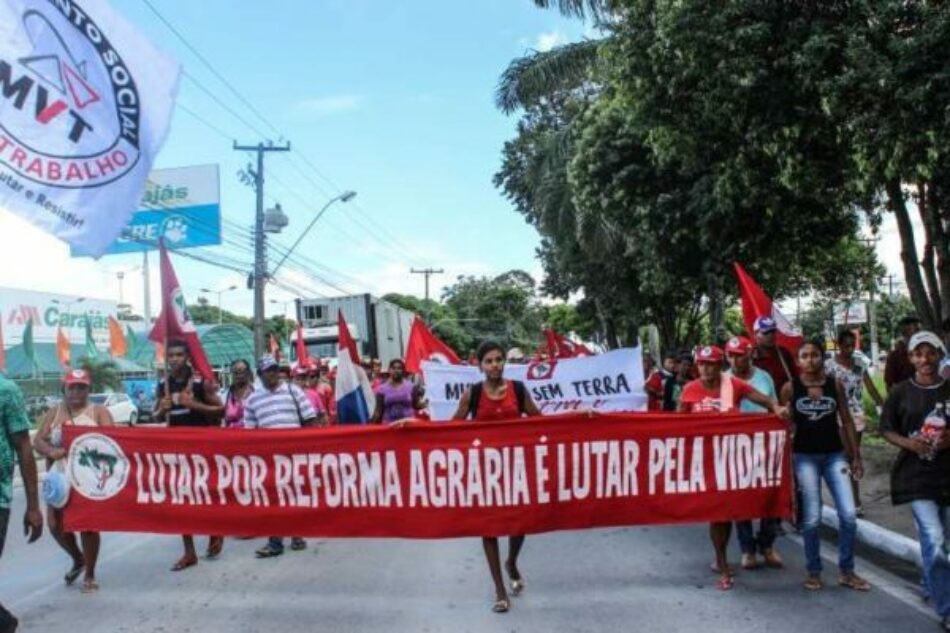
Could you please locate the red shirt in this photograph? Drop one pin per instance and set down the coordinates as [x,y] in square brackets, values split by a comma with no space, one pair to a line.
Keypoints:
[505,408]
[654,389]
[698,399]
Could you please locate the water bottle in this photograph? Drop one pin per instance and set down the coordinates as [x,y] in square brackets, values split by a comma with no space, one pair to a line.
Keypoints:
[932,429]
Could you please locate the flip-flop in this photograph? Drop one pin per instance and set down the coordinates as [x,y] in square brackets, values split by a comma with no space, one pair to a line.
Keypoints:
[73,574]
[215,545]
[853,581]
[184,563]
[501,606]
[725,583]
[89,585]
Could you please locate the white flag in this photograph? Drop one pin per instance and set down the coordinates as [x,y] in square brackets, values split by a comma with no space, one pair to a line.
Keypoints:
[85,104]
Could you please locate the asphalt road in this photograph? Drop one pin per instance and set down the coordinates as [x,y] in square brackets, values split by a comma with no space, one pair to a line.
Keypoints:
[634,579]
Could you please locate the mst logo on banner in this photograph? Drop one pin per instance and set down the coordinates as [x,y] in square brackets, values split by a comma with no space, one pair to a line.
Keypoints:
[606,382]
[85,103]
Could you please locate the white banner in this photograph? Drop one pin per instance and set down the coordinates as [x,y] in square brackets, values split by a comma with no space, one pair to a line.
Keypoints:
[85,104]
[606,382]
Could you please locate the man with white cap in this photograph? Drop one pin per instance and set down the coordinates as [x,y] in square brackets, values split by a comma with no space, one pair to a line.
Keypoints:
[913,421]
[770,356]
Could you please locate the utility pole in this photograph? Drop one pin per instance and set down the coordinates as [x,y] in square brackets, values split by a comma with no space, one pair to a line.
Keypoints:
[428,272]
[260,255]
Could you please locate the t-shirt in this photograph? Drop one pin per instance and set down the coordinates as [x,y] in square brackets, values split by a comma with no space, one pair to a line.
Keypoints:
[698,399]
[13,420]
[286,407]
[761,382]
[180,415]
[852,379]
[397,400]
[654,389]
[913,478]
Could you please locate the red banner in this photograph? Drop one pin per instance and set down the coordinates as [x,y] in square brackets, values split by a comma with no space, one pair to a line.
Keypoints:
[430,480]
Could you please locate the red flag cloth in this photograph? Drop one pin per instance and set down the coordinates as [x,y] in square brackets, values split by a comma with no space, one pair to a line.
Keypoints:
[346,339]
[303,354]
[174,322]
[63,348]
[424,345]
[700,468]
[562,347]
[755,304]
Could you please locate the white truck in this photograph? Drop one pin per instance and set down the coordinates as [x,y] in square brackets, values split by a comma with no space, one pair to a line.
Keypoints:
[380,328]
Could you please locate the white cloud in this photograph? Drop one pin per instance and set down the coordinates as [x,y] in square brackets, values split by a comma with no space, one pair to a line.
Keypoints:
[325,106]
[547,41]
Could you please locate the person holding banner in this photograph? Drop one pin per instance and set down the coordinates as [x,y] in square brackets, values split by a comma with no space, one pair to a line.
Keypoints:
[396,398]
[822,449]
[739,354]
[75,409]
[184,401]
[498,399]
[714,392]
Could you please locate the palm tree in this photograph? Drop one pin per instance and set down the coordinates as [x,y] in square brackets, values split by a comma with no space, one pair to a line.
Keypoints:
[104,374]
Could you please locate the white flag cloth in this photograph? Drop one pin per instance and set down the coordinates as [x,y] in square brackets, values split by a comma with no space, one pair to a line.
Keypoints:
[85,104]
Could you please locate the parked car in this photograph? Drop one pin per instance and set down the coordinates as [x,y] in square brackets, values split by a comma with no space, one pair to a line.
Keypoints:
[121,407]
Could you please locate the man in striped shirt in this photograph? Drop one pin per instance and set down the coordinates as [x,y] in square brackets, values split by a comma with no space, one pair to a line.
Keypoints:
[277,405]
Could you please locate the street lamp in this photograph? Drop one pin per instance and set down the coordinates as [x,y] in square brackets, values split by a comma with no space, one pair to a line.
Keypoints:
[284,304]
[346,196]
[219,293]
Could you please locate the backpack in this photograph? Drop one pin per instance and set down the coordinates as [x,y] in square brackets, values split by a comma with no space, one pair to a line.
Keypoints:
[475,395]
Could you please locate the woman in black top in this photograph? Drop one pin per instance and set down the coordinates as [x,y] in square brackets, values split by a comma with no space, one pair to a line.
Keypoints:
[823,450]
[921,474]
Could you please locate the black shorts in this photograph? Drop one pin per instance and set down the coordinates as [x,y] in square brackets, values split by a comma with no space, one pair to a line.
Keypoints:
[4,522]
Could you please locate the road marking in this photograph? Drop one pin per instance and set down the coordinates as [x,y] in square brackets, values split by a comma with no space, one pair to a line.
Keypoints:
[114,553]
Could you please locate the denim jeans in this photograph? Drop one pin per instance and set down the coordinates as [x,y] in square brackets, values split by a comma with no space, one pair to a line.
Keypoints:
[933,527]
[810,469]
[751,543]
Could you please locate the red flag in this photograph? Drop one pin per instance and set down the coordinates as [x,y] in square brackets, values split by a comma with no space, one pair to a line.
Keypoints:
[424,345]
[63,348]
[174,322]
[562,347]
[346,339]
[303,354]
[755,304]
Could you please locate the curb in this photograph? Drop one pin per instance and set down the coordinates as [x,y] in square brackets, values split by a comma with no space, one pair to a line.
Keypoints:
[880,538]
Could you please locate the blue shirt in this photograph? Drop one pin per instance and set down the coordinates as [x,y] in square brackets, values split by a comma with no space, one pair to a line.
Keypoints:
[763,383]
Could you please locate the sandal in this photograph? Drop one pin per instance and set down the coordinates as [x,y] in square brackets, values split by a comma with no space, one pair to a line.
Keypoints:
[725,583]
[268,552]
[813,583]
[89,585]
[215,545]
[749,562]
[74,573]
[185,562]
[853,581]
[773,560]
[517,584]
[501,606]
[298,544]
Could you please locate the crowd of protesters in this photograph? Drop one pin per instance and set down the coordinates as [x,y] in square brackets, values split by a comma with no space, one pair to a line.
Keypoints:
[821,398]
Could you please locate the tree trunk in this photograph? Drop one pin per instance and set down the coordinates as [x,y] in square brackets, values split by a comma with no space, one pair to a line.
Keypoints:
[715,309]
[915,283]
[930,221]
[936,201]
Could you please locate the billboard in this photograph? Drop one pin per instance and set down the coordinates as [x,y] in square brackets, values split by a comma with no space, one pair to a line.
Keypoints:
[851,313]
[183,205]
[49,311]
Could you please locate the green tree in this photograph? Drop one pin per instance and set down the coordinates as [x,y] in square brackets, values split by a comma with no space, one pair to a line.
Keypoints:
[104,374]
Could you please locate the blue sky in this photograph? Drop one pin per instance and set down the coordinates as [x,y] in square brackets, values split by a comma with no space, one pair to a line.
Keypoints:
[393,100]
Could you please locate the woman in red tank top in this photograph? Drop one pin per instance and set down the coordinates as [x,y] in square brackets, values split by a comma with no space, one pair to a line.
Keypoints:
[498,399]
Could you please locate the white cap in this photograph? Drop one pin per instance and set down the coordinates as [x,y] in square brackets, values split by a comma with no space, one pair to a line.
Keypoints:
[929,338]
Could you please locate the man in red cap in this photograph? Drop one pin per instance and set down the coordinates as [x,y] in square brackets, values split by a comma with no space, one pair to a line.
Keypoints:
[739,353]
[714,392]
[771,356]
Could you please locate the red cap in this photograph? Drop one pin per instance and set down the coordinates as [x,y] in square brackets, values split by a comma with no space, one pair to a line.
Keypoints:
[301,371]
[739,345]
[709,354]
[77,377]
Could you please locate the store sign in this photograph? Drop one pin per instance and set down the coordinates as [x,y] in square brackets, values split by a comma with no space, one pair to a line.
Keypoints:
[51,311]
